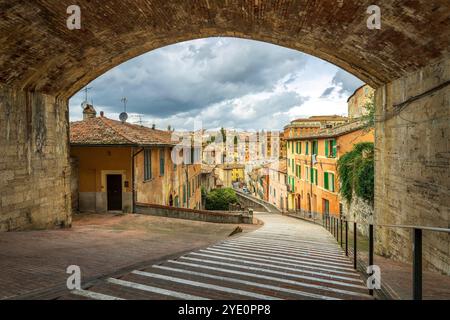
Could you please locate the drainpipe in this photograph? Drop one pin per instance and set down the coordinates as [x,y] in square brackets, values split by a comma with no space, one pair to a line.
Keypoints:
[133,188]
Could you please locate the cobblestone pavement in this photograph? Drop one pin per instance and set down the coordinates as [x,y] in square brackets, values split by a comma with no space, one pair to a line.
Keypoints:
[33,263]
[285,259]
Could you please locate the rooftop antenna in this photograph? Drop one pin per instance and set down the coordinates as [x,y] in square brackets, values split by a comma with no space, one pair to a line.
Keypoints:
[85,102]
[124,100]
[124,116]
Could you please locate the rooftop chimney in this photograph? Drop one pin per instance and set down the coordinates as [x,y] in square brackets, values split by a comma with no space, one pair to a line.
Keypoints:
[153,126]
[89,112]
[102,114]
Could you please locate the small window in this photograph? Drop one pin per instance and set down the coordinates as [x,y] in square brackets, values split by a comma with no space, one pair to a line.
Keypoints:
[315,147]
[330,148]
[328,181]
[147,164]
[162,161]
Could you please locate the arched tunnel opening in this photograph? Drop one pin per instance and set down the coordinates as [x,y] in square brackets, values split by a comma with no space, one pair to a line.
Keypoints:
[407,62]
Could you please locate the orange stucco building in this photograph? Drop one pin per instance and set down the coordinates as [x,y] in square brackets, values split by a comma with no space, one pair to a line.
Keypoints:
[312,167]
[314,146]
[119,165]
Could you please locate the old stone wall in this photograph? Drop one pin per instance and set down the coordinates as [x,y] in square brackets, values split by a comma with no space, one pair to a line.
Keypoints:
[34,164]
[360,211]
[74,184]
[412,163]
[193,214]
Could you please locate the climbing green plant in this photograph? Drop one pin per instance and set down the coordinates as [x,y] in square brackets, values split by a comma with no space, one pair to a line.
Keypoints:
[356,172]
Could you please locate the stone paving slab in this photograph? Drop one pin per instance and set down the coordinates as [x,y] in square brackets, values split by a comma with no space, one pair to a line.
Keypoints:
[33,263]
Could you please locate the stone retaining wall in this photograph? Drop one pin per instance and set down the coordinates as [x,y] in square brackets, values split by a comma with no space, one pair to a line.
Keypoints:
[197,215]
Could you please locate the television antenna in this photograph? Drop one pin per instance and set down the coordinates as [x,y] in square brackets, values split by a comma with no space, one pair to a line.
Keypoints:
[124,116]
[85,102]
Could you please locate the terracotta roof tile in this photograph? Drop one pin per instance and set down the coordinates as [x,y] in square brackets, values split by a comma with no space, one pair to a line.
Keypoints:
[105,131]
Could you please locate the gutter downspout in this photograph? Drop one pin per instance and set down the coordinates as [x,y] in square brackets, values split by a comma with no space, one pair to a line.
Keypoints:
[133,187]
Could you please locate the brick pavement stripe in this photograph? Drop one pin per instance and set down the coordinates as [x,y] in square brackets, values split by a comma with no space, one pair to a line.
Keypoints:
[341,283]
[205,285]
[93,295]
[271,268]
[280,257]
[324,257]
[325,289]
[250,283]
[157,290]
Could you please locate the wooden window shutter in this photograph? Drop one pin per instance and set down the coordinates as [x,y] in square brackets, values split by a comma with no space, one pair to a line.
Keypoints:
[333,148]
[325,180]
[326,148]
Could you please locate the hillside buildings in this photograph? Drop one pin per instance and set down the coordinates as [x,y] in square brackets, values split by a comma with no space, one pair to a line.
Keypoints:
[314,146]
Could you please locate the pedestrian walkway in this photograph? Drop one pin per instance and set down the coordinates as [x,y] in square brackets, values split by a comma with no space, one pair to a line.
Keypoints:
[285,259]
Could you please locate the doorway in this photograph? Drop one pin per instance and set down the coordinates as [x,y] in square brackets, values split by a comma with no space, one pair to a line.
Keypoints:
[114,191]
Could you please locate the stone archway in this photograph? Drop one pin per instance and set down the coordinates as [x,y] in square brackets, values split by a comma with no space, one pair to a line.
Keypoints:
[42,63]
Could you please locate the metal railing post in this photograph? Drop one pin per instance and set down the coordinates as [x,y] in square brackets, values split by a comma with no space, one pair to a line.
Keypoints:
[337,229]
[332,226]
[355,246]
[346,238]
[417,264]
[341,233]
[371,251]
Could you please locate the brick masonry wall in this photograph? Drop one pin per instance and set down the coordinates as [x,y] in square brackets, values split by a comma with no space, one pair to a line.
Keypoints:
[34,164]
[412,165]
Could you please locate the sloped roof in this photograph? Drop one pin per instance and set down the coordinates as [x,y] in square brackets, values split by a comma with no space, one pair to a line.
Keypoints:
[105,131]
[321,118]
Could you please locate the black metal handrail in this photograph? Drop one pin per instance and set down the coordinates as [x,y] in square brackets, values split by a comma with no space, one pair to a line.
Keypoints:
[332,225]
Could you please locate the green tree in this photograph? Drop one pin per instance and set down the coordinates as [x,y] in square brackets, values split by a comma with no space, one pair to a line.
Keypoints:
[356,172]
[224,135]
[220,199]
[369,118]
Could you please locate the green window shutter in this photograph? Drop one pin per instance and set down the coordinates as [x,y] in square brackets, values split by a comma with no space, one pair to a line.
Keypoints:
[307,147]
[333,148]
[312,174]
[332,182]
[326,148]
[317,177]
[325,180]
[300,146]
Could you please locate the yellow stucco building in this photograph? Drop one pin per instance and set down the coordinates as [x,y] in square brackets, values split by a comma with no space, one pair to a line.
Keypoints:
[120,165]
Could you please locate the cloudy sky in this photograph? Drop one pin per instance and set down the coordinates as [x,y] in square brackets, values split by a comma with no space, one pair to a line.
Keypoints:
[222,82]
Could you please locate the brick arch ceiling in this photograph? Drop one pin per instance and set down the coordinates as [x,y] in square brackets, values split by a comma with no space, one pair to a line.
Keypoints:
[39,53]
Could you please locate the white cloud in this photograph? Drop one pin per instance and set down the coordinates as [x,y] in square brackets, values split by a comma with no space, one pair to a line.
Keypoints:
[222,82]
